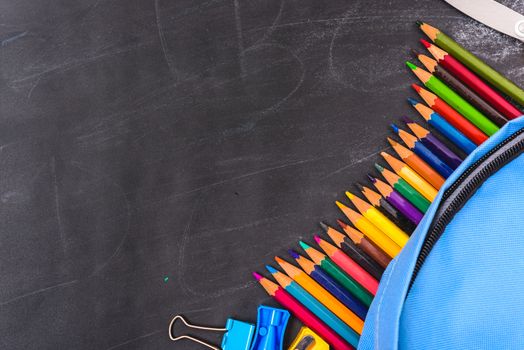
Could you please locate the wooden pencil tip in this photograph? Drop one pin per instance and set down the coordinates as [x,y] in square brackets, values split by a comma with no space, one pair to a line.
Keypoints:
[425,43]
[360,186]
[379,168]
[416,87]
[324,226]
[341,223]
[411,65]
[293,254]
[415,52]
[304,245]
[391,142]
[371,178]
[419,23]
[407,120]
[317,239]
[395,128]
[278,259]
[257,276]
[412,101]
[271,269]
[350,195]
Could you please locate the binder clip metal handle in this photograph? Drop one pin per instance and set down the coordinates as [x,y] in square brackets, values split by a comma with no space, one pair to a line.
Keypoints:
[185,336]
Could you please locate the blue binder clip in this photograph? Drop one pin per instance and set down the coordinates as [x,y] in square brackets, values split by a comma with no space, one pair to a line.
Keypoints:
[271,326]
[238,335]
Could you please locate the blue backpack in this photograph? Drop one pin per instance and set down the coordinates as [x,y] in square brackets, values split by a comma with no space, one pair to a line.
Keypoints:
[459,282]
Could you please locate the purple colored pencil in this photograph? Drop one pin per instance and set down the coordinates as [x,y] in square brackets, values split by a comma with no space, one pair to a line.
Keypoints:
[398,201]
[434,144]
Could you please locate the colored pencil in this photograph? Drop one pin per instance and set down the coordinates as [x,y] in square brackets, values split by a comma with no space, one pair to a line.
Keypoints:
[454,100]
[439,123]
[319,310]
[338,275]
[379,202]
[349,266]
[411,177]
[417,164]
[302,313]
[354,252]
[404,189]
[379,220]
[474,82]
[330,285]
[365,244]
[433,143]
[473,62]
[397,200]
[423,152]
[322,295]
[451,115]
[371,231]
[462,89]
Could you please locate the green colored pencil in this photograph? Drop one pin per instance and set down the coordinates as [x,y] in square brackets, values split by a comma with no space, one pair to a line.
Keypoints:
[473,62]
[405,189]
[455,100]
[340,276]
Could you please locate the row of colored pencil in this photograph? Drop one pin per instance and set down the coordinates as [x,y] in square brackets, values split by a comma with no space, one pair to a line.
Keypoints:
[333,288]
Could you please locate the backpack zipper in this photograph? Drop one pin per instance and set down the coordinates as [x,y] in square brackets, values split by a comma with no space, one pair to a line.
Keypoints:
[463,188]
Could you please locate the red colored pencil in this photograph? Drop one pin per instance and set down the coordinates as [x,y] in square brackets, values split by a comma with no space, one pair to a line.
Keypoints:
[302,313]
[349,266]
[474,82]
[452,116]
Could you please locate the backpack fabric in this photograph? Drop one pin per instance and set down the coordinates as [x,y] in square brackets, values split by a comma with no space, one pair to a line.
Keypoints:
[469,292]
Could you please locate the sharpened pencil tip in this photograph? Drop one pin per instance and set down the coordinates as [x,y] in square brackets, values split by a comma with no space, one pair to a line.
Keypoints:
[304,245]
[293,254]
[407,120]
[324,226]
[419,23]
[271,269]
[415,53]
[350,195]
[394,127]
[371,178]
[317,238]
[278,259]
[379,167]
[411,65]
[257,276]
[412,101]
[416,87]
[425,43]
[341,223]
[359,186]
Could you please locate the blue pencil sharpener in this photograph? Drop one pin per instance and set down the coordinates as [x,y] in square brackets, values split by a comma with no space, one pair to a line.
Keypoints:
[271,326]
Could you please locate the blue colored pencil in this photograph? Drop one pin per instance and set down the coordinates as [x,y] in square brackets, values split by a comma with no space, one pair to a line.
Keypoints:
[434,144]
[439,123]
[315,306]
[330,285]
[423,152]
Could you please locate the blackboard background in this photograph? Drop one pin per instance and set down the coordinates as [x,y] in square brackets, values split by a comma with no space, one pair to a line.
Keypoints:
[193,141]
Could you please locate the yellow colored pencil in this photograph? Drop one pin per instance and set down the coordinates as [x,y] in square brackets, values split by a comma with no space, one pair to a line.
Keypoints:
[404,171]
[371,231]
[379,220]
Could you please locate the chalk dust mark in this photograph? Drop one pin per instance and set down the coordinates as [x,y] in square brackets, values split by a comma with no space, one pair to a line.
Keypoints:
[38,291]
[272,27]
[57,206]
[32,88]
[103,265]
[277,105]
[134,339]
[353,163]
[183,243]
[238,25]
[331,66]
[163,42]
[12,38]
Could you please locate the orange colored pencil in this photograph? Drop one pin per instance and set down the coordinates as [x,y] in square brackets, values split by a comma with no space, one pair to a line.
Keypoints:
[322,295]
[417,164]
[365,244]
[349,266]
[415,180]
[371,231]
